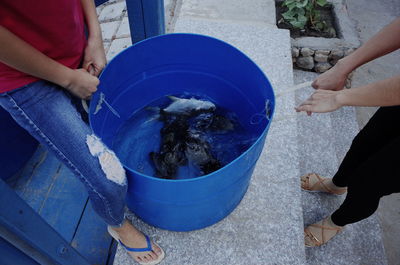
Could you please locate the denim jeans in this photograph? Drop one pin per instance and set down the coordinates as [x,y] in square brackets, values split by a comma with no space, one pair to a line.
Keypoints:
[46,112]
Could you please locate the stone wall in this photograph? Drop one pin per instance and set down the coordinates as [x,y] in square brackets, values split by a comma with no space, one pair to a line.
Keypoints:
[318,60]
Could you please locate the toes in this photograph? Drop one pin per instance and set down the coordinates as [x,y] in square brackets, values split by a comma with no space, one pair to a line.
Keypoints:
[304,182]
[309,238]
[146,258]
[156,249]
[153,255]
[308,241]
[138,259]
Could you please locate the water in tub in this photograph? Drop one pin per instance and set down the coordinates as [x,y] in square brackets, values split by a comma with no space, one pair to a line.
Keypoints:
[180,137]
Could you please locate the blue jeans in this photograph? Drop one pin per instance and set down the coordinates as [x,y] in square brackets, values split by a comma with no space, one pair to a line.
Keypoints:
[46,112]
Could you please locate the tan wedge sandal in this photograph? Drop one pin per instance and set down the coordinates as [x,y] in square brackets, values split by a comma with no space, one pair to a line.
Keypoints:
[318,184]
[314,241]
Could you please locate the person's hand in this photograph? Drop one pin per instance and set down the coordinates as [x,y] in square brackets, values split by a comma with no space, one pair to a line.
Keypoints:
[94,59]
[81,83]
[321,101]
[333,79]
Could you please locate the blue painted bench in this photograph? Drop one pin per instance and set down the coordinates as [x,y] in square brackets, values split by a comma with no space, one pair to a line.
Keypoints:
[45,214]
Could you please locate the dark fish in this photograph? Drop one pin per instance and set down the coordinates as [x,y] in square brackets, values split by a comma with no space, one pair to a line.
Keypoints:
[199,153]
[171,154]
[183,136]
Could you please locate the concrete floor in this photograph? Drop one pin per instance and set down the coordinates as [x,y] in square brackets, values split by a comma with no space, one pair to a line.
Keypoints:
[375,15]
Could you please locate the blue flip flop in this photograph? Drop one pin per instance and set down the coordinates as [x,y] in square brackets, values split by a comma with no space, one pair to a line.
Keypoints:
[148,248]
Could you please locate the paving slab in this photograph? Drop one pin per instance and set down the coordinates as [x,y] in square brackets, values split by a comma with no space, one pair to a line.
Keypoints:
[323,141]
[112,11]
[108,30]
[237,10]
[123,30]
[117,46]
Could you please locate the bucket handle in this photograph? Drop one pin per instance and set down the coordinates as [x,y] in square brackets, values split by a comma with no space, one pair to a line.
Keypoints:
[98,107]
[257,118]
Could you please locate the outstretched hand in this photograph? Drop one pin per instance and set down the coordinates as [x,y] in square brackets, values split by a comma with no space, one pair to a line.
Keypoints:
[333,79]
[320,101]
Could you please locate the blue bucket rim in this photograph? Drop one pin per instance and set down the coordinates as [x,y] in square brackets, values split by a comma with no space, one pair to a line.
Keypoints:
[260,138]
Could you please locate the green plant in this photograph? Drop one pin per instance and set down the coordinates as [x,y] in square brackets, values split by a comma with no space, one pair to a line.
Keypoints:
[301,12]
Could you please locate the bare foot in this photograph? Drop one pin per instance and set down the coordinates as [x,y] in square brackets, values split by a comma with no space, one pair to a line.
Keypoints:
[133,238]
[321,232]
[314,182]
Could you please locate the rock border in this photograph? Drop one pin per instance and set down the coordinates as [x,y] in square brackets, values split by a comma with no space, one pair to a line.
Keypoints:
[320,54]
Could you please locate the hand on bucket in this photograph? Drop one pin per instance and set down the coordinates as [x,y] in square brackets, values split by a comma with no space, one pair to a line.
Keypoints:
[81,83]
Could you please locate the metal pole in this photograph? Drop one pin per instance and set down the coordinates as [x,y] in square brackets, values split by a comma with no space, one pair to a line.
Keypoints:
[146,18]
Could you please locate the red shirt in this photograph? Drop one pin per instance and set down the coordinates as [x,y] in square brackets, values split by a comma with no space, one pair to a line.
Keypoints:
[54,27]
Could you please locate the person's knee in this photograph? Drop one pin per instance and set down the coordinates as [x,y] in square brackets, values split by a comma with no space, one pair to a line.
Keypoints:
[109,162]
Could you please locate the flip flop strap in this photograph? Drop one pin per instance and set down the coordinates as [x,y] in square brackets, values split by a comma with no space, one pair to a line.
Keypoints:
[149,248]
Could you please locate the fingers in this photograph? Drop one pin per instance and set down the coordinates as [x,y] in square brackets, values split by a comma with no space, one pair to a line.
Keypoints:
[84,84]
[315,84]
[93,69]
[305,108]
[86,65]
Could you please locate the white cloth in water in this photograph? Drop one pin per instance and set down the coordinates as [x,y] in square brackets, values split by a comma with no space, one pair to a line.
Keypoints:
[186,106]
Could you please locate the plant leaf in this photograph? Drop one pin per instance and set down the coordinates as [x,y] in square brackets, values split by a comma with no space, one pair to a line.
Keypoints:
[319,25]
[301,12]
[301,4]
[287,2]
[298,24]
[302,19]
[288,16]
[309,6]
[291,6]
[321,2]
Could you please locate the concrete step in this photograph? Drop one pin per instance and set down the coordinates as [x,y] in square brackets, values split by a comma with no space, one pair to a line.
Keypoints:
[237,10]
[323,142]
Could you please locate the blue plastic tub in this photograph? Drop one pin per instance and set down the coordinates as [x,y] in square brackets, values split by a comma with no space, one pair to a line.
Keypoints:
[170,65]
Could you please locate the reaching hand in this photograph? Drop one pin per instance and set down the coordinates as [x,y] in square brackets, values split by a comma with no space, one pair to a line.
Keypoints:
[95,58]
[321,101]
[82,84]
[334,79]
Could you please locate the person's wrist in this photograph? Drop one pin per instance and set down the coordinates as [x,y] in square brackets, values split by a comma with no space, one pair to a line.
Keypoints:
[344,66]
[95,40]
[341,98]
[68,78]
[95,34]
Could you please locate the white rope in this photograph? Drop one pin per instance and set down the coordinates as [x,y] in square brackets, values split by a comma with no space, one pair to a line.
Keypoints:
[294,88]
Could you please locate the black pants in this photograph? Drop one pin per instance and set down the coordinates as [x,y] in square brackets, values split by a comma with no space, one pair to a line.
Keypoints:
[371,167]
